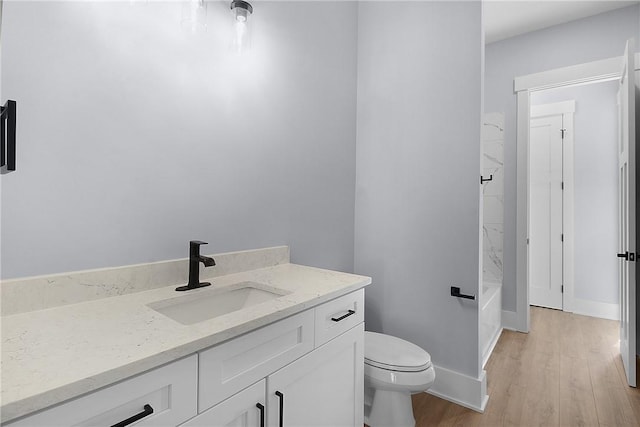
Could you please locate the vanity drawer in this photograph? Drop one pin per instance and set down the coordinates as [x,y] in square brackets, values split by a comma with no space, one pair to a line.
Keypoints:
[231,366]
[338,316]
[170,391]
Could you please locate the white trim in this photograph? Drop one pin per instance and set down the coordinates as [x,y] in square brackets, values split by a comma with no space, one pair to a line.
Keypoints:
[588,72]
[494,341]
[522,231]
[461,389]
[603,310]
[553,109]
[568,214]
[605,69]
[509,320]
[575,74]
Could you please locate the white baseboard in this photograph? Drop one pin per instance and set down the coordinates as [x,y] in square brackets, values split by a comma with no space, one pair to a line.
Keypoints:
[603,310]
[510,320]
[461,389]
[494,342]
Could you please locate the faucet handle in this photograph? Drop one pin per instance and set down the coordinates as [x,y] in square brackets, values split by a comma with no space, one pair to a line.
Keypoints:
[194,248]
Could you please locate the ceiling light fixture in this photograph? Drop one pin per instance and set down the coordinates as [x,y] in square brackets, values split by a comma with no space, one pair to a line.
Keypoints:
[241,11]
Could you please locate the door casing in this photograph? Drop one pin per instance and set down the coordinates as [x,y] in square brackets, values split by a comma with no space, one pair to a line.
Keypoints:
[603,70]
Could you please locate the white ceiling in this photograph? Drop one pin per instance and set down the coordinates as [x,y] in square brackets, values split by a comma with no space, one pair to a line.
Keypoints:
[504,19]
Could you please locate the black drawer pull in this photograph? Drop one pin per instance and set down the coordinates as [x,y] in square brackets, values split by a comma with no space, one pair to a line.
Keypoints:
[349,313]
[148,410]
[260,407]
[281,420]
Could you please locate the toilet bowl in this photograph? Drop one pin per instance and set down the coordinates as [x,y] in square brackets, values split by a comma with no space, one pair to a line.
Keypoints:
[393,370]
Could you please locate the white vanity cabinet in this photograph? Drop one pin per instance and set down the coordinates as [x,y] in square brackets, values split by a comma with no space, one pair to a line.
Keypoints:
[322,388]
[299,383]
[304,370]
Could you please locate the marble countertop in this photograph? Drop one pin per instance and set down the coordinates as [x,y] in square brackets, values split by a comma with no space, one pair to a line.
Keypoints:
[55,354]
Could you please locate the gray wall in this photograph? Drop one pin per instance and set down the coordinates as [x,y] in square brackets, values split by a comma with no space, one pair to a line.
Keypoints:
[595,187]
[418,167]
[135,136]
[590,39]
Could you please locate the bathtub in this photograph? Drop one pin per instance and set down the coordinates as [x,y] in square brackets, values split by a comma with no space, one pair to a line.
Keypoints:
[490,318]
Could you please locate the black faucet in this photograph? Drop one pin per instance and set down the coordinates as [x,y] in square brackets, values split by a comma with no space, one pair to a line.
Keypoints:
[194,266]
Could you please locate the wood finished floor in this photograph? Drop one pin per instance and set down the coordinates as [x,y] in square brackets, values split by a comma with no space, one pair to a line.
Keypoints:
[566,372]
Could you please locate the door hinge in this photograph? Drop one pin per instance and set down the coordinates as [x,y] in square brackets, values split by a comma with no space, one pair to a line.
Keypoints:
[562,289]
[563,131]
[527,240]
[562,237]
[562,185]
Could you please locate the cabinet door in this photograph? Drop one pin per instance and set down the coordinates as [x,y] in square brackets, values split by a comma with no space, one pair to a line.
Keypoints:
[322,388]
[240,410]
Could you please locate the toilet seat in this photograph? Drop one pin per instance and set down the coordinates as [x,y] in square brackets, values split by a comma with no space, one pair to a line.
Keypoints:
[394,354]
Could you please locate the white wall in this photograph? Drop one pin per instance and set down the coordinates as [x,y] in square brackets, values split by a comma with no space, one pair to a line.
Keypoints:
[135,137]
[598,37]
[418,169]
[595,187]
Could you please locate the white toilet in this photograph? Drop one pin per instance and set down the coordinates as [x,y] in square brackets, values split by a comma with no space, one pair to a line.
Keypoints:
[393,370]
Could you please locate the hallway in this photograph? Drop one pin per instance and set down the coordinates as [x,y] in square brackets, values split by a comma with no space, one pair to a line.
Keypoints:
[566,372]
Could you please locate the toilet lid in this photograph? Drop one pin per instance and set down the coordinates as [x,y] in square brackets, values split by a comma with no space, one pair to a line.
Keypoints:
[394,354]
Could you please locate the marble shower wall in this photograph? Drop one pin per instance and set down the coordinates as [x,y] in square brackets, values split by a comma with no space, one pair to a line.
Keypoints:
[493,196]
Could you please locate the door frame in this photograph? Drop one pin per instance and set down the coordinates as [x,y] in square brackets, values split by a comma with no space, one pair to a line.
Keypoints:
[591,72]
[566,109]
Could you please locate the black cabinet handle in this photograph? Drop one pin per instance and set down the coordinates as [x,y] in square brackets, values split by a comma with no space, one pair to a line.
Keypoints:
[455,292]
[349,313]
[148,410]
[260,407]
[281,420]
[8,137]
[624,255]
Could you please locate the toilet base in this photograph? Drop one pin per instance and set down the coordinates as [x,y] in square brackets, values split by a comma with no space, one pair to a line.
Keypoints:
[390,409]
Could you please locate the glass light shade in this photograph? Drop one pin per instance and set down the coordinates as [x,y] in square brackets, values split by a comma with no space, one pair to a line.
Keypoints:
[240,11]
[194,16]
[241,14]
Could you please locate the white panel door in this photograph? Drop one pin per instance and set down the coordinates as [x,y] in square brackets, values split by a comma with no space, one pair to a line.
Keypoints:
[545,212]
[627,214]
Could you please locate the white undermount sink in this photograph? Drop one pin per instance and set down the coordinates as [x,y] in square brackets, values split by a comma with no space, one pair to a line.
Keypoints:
[206,304]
